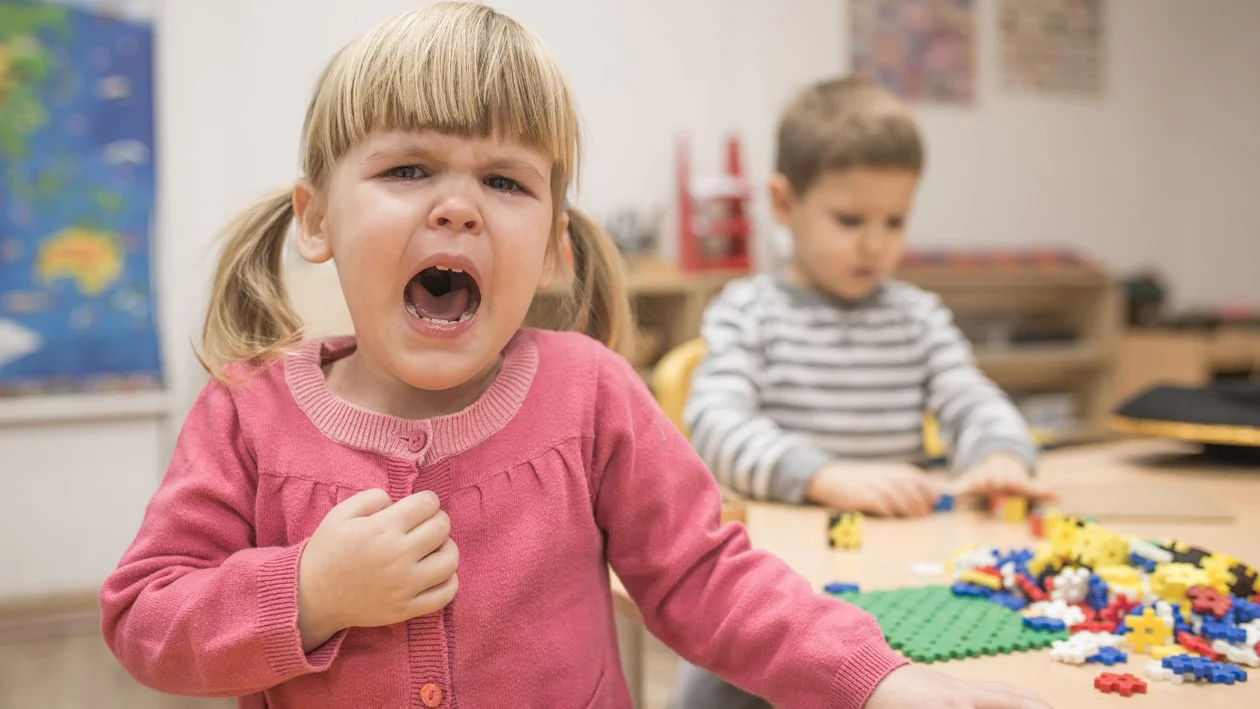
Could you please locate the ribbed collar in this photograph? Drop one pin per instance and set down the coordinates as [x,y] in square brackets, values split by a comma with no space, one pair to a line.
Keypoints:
[428,440]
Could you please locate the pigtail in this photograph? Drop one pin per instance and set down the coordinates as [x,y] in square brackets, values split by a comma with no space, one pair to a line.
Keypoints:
[250,317]
[600,307]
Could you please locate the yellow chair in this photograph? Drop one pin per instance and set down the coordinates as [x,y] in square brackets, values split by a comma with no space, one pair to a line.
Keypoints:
[671,379]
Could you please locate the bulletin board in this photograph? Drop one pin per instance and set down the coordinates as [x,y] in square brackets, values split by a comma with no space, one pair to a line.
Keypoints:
[922,50]
[1053,46]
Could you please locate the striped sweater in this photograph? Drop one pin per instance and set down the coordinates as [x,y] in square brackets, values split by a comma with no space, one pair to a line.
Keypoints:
[793,379]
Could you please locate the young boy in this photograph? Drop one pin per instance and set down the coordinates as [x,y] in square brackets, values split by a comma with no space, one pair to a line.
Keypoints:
[815,380]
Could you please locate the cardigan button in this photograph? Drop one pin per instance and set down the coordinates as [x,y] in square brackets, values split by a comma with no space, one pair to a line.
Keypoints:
[416,442]
[431,695]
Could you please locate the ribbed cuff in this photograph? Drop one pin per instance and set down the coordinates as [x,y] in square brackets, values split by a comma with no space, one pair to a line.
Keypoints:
[795,469]
[866,667]
[1023,450]
[278,619]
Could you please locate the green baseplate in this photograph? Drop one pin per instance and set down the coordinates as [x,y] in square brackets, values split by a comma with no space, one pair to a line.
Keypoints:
[931,624]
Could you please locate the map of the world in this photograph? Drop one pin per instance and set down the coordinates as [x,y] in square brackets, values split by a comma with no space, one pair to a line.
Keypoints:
[76,200]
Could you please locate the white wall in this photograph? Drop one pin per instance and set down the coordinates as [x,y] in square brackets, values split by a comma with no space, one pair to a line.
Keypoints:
[1162,170]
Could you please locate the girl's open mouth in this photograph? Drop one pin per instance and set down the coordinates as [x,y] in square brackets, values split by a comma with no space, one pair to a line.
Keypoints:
[442,295]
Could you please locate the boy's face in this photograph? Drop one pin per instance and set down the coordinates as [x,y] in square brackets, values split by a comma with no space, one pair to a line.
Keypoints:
[848,228]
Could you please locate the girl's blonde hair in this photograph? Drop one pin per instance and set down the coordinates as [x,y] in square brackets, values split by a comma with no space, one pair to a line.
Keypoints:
[456,68]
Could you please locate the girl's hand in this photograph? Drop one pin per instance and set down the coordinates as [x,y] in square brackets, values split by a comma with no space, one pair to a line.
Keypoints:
[1001,474]
[879,488]
[914,686]
[374,562]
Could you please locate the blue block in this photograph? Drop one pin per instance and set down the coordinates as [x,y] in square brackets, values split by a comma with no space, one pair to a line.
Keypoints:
[1096,596]
[944,503]
[1225,673]
[1188,664]
[1142,563]
[837,587]
[1245,611]
[1216,630]
[1108,656]
[970,589]
[1041,623]
[1005,599]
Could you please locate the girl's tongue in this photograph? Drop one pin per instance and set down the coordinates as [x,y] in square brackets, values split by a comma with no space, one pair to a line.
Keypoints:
[440,295]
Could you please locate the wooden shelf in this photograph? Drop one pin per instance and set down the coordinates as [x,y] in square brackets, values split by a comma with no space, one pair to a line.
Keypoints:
[70,408]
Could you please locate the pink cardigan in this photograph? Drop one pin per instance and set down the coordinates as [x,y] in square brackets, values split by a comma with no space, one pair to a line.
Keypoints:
[564,466]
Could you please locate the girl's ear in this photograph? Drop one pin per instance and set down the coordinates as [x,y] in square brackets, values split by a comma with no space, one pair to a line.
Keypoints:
[308,210]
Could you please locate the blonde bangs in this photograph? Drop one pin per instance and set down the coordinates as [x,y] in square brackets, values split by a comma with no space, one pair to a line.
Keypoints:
[454,68]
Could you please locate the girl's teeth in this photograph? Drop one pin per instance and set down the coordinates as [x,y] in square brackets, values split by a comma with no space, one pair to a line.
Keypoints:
[457,270]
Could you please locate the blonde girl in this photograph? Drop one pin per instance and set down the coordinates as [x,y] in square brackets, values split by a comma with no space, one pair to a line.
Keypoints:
[424,515]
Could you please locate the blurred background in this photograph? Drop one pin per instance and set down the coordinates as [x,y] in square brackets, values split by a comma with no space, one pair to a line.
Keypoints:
[1088,209]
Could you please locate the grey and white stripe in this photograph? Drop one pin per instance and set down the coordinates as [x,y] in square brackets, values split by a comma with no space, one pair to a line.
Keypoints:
[793,379]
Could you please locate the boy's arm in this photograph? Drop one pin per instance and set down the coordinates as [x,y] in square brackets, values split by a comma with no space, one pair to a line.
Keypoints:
[194,607]
[740,613]
[975,416]
[746,450]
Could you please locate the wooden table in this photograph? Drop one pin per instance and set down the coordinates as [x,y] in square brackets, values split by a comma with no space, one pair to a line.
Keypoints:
[797,535]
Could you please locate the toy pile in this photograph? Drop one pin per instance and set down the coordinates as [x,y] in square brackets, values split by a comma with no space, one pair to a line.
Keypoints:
[1195,613]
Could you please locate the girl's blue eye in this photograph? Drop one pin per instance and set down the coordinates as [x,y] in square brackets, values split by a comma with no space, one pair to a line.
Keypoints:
[506,184]
[405,172]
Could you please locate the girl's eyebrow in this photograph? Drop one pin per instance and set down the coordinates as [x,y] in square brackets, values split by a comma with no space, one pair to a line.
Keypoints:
[417,152]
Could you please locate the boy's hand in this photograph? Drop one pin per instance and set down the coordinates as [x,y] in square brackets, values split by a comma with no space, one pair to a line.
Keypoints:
[1001,474]
[886,489]
[914,686]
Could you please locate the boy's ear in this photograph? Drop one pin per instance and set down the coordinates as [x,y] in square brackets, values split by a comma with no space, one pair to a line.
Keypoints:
[308,212]
[782,198]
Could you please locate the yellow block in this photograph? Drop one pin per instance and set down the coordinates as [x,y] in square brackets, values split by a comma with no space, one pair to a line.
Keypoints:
[1159,652]
[981,579]
[1013,509]
[1171,581]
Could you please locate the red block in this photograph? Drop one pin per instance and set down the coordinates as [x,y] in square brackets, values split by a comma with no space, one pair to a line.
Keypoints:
[1098,626]
[1126,685]
[1197,645]
[1029,588]
[1208,601]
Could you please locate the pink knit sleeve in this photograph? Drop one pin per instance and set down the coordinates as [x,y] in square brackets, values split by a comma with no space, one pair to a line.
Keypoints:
[193,607]
[740,613]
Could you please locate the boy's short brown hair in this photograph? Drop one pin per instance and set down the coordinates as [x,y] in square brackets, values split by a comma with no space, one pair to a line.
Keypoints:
[842,124]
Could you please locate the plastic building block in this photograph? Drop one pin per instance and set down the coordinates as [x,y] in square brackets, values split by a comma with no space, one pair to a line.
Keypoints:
[944,503]
[1108,656]
[844,530]
[1225,673]
[1245,611]
[837,587]
[1197,645]
[1096,596]
[1094,626]
[970,590]
[1126,685]
[1070,615]
[1072,653]
[1071,585]
[1036,525]
[930,624]
[1095,546]
[1237,654]
[1171,581]
[1043,623]
[1146,631]
[1205,600]
[1007,600]
[1030,588]
[1213,630]
[1187,666]
[1144,564]
[1161,651]
[976,577]
[1155,670]
[1009,508]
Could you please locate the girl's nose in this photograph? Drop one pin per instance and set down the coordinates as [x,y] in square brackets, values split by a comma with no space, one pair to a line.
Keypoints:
[457,213]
